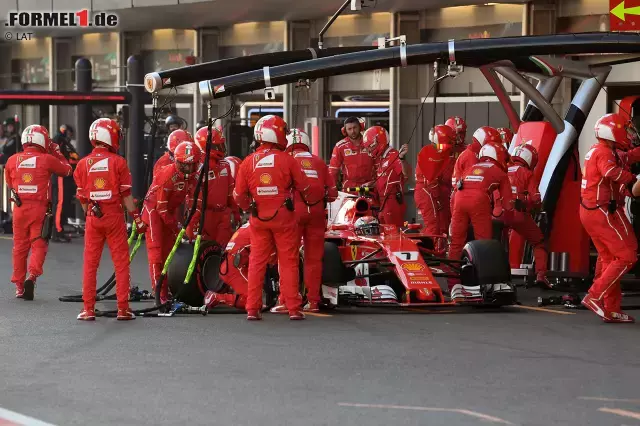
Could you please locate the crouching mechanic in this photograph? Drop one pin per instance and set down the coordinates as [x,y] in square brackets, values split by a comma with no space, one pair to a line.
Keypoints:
[27,175]
[527,198]
[263,186]
[311,215]
[175,138]
[166,194]
[473,200]
[428,182]
[390,175]
[220,202]
[604,218]
[104,185]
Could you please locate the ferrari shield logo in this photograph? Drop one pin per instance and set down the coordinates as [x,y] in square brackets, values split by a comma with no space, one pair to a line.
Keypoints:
[354,251]
[90,161]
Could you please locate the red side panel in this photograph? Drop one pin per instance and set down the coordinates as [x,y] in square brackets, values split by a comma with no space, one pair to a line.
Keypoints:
[541,135]
[567,234]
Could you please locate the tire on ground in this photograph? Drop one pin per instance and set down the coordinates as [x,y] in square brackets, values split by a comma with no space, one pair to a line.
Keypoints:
[206,274]
[490,263]
[334,272]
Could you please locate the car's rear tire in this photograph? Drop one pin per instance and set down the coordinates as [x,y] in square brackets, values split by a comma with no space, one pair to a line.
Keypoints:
[205,276]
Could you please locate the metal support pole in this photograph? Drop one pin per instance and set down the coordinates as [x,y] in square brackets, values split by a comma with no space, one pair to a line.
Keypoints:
[83,111]
[547,89]
[514,77]
[135,142]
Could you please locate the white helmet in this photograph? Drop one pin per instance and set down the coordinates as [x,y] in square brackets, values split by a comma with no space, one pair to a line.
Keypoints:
[297,136]
[36,135]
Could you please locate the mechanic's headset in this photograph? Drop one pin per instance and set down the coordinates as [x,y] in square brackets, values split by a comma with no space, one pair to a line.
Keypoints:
[351,120]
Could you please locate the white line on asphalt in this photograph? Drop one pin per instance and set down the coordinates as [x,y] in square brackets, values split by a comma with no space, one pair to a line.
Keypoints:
[434,409]
[20,419]
[597,398]
[623,413]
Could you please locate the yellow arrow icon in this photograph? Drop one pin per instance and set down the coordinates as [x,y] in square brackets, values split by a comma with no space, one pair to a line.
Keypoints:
[619,11]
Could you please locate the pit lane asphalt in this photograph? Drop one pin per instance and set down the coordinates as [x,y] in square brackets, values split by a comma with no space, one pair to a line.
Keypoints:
[354,367]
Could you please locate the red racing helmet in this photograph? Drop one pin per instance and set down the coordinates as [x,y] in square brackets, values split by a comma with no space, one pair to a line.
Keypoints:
[298,139]
[271,129]
[376,140]
[176,138]
[486,134]
[105,131]
[526,154]
[442,135]
[613,127]
[36,135]
[505,134]
[459,126]
[187,156]
[495,152]
[218,142]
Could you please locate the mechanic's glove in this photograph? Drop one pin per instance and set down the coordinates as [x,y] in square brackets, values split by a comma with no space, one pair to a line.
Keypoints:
[141,227]
[193,230]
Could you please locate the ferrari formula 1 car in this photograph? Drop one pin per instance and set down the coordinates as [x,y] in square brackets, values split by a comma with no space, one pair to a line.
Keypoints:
[367,264]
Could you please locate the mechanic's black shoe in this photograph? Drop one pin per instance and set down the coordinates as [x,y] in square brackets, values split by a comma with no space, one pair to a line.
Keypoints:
[61,238]
[29,288]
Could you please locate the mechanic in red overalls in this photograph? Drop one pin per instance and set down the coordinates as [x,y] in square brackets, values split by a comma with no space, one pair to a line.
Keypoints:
[604,219]
[220,203]
[166,194]
[524,189]
[263,185]
[473,197]
[390,178]
[428,185]
[446,188]
[175,138]
[28,176]
[104,186]
[312,218]
[350,159]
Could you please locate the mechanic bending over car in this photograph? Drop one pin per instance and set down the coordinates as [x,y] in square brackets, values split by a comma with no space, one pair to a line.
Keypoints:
[27,175]
[390,179]
[524,189]
[469,156]
[263,186]
[220,203]
[311,216]
[429,182]
[605,183]
[104,186]
[474,199]
[165,195]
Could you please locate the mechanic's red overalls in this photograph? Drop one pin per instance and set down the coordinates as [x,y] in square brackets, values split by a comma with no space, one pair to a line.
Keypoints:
[220,205]
[446,189]
[28,173]
[466,159]
[162,162]
[267,177]
[354,162]
[427,197]
[473,203]
[525,189]
[390,188]
[611,233]
[166,194]
[103,179]
[312,219]
[237,277]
